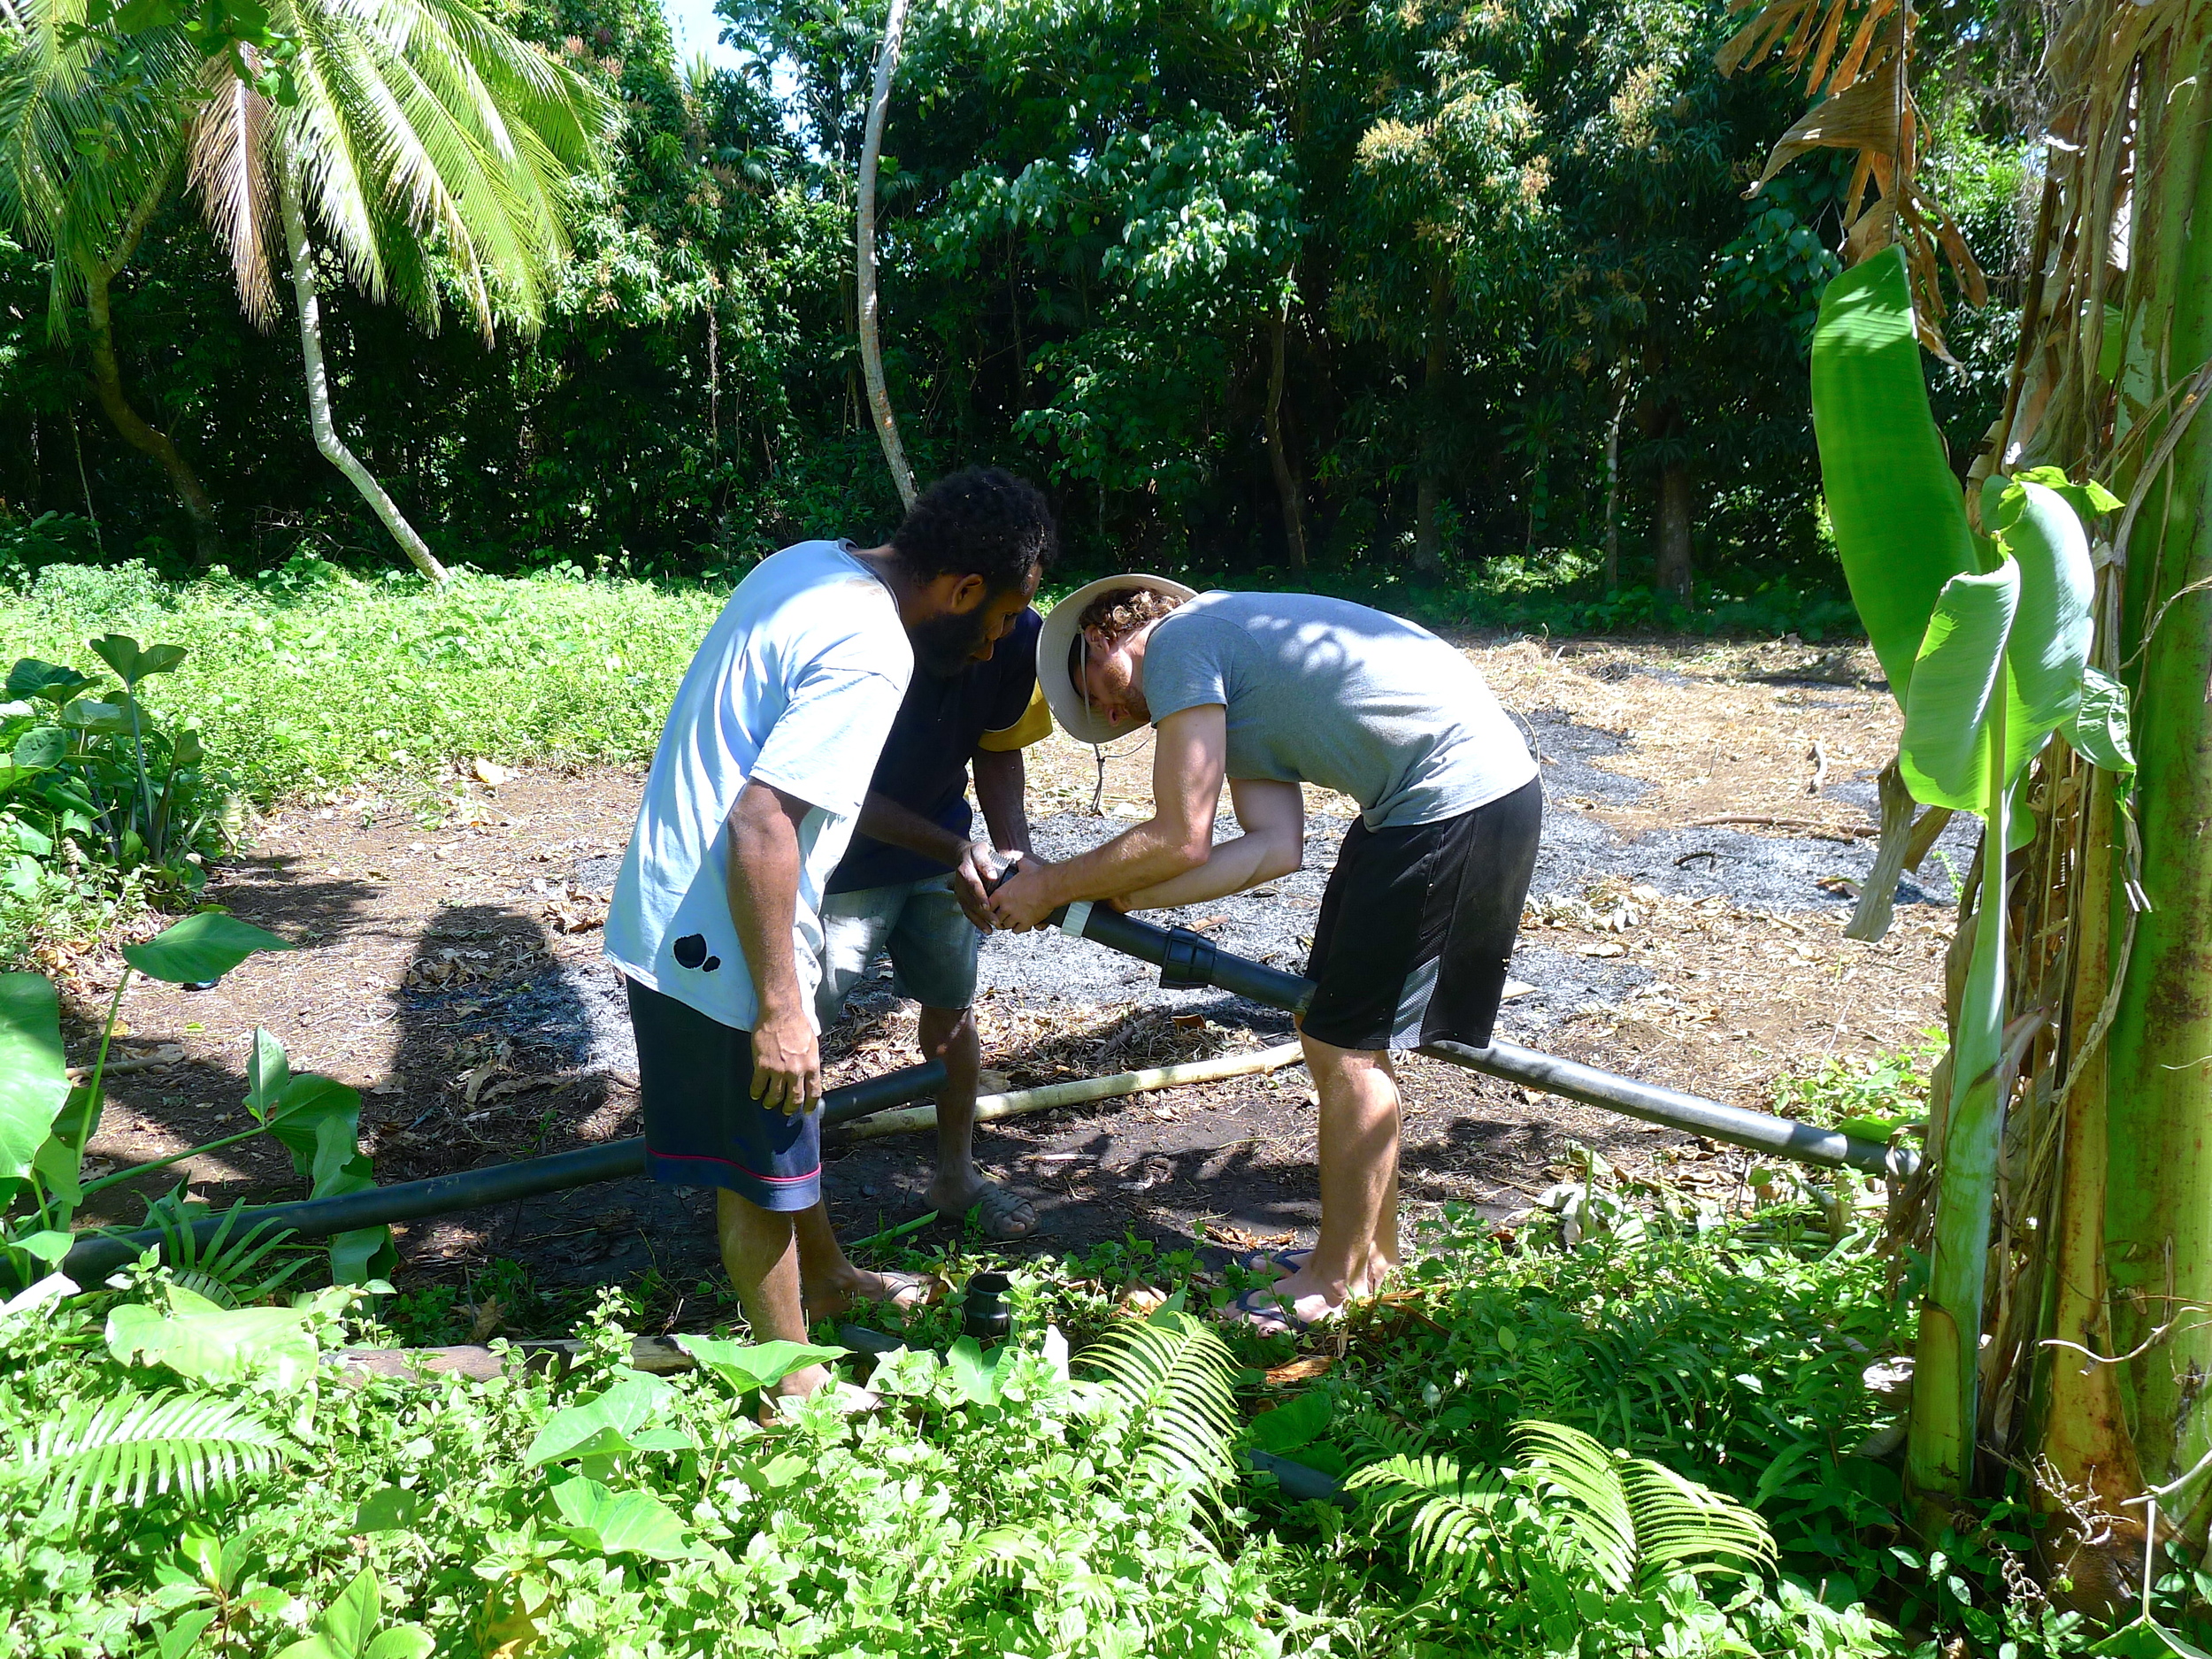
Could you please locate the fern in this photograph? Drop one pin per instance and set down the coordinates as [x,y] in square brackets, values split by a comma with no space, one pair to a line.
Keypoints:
[1451,1512]
[1628,1521]
[1176,1378]
[123,1449]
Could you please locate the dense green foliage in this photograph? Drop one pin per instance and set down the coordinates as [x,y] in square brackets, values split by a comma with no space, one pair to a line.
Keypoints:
[1484,235]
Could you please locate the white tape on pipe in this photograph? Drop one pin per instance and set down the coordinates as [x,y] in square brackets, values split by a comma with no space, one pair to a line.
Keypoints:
[1078,918]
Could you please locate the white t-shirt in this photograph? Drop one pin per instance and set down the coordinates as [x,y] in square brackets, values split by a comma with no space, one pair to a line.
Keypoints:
[796,684]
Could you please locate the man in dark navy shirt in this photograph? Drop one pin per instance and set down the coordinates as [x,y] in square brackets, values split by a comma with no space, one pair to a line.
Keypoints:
[913,885]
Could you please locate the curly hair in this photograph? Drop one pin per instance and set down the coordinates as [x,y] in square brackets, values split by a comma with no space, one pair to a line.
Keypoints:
[1120,611]
[984,522]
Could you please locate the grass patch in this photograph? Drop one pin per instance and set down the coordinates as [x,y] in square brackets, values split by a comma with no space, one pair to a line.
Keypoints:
[310,680]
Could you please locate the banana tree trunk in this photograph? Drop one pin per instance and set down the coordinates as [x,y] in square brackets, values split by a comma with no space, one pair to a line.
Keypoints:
[2158,1210]
[319,416]
[870,344]
[140,434]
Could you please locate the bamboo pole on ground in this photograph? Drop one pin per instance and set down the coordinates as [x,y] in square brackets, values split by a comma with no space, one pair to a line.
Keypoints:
[913,1119]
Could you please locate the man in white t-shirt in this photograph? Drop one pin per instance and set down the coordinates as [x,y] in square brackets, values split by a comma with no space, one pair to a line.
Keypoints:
[754,791]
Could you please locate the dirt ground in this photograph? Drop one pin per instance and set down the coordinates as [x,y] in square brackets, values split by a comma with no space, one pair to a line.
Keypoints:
[1711,809]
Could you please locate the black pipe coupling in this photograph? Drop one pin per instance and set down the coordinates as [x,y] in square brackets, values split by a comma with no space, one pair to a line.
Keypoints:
[1189,961]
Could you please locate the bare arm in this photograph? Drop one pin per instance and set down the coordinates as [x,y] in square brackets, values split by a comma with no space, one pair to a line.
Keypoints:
[1187,763]
[1273,818]
[764,828]
[1001,786]
[886,820]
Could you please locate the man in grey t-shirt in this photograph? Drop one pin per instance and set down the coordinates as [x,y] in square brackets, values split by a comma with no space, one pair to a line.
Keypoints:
[1270,691]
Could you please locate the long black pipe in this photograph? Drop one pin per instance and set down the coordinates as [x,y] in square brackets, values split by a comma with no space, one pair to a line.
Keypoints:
[1185,960]
[92,1258]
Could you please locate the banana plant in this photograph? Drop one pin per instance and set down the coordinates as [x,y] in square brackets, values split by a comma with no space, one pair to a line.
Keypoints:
[1986,641]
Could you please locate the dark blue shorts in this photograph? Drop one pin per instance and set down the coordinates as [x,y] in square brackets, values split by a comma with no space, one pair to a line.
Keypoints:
[702,1126]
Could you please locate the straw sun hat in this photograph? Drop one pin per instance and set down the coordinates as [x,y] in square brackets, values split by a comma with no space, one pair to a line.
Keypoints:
[1068,708]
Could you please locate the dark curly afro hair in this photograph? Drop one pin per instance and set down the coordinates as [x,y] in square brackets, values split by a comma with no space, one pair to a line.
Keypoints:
[983,521]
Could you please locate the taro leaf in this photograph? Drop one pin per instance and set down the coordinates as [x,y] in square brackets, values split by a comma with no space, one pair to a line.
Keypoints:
[615,1421]
[975,1372]
[747,1365]
[615,1523]
[267,1072]
[40,748]
[202,947]
[1955,686]
[113,718]
[1295,1424]
[270,1348]
[318,1120]
[121,653]
[2098,729]
[1899,516]
[364,1255]
[33,1076]
[31,678]
[21,836]
[48,1246]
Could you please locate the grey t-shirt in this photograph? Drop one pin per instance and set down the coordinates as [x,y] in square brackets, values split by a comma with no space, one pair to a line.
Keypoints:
[1327,692]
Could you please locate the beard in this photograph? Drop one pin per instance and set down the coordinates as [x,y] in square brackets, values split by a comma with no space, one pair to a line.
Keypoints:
[945,645]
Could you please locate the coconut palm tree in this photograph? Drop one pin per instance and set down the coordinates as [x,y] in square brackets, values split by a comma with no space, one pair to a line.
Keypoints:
[433,151]
[89,144]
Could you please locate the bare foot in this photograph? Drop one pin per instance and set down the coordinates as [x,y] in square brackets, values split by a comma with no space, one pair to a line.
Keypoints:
[1006,1215]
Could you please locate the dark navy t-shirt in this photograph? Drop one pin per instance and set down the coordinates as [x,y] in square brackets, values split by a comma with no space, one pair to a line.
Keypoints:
[924,762]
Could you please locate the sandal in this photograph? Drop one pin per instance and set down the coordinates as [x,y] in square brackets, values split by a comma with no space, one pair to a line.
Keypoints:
[1286,1262]
[908,1291]
[1281,1315]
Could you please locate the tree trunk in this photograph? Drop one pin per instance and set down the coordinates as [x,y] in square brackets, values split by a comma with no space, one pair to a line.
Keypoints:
[1287,492]
[871,346]
[107,385]
[318,415]
[2158,1208]
[1613,490]
[1673,575]
[1428,535]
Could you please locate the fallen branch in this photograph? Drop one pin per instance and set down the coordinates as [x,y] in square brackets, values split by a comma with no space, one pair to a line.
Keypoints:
[1830,830]
[911,1119]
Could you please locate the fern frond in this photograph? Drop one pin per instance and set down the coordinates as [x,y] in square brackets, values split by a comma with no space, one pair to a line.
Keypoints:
[123,1449]
[1176,1377]
[1565,1462]
[1450,1512]
[1682,1523]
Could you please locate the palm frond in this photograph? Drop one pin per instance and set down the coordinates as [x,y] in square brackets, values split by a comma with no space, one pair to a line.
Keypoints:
[1450,1512]
[123,1449]
[228,149]
[1176,1377]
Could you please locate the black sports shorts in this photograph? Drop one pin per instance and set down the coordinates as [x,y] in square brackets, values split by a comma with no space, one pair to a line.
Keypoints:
[1418,925]
[702,1126]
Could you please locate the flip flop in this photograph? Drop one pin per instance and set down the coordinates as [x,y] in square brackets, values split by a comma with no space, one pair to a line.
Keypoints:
[1248,1312]
[1287,1261]
[909,1291]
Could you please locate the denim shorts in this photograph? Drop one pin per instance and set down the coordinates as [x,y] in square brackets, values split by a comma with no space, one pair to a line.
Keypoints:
[919,924]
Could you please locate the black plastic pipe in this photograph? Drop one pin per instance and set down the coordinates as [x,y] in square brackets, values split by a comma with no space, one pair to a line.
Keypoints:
[91,1259]
[1187,960]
